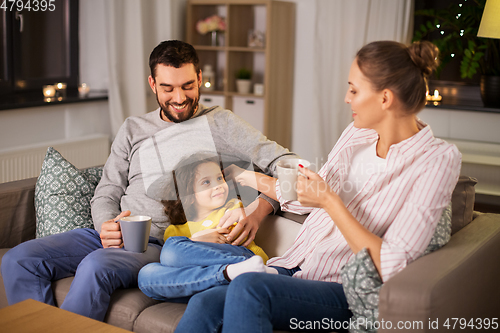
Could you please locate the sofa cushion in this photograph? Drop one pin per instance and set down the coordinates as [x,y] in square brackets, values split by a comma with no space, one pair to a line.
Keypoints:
[463,203]
[160,318]
[124,308]
[62,195]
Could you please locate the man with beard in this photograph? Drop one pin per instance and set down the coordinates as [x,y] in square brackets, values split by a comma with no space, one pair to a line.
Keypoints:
[144,149]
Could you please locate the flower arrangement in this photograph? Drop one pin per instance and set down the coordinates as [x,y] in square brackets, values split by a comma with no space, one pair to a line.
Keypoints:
[211,23]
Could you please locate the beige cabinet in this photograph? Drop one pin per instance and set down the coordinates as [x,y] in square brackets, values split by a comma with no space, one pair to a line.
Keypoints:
[259,36]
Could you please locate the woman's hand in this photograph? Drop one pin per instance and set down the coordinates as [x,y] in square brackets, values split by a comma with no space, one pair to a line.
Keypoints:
[312,190]
[111,235]
[211,236]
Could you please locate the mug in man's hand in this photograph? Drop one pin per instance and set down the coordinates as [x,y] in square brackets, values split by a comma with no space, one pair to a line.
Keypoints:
[135,232]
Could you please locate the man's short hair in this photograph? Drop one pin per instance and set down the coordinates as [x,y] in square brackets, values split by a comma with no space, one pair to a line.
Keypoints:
[173,53]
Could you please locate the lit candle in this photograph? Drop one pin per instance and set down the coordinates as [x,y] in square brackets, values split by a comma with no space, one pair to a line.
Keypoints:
[49,91]
[61,86]
[435,97]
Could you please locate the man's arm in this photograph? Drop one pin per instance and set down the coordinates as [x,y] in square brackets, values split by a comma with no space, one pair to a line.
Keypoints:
[247,142]
[105,205]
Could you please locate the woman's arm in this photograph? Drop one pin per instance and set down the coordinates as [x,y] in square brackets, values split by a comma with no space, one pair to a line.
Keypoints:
[313,191]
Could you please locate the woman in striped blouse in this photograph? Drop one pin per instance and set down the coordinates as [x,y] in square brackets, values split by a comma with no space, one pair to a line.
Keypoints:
[384,187]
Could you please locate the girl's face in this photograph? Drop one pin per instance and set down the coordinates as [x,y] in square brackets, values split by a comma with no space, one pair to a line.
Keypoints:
[366,103]
[210,188]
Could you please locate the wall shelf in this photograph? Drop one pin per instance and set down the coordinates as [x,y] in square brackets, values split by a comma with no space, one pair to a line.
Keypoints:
[271,65]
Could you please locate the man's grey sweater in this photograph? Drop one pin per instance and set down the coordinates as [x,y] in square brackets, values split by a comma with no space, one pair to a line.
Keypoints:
[147,148]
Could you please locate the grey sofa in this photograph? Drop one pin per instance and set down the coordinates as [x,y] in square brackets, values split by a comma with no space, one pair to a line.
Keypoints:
[458,281]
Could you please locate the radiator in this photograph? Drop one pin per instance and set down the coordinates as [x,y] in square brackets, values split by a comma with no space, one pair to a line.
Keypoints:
[26,162]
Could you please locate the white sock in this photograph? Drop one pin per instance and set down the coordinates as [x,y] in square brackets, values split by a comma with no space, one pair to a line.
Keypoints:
[253,264]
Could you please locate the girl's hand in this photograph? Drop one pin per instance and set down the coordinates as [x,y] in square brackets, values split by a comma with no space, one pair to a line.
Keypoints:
[312,190]
[211,236]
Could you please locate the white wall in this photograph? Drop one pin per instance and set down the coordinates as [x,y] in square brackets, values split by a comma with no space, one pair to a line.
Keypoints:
[303,90]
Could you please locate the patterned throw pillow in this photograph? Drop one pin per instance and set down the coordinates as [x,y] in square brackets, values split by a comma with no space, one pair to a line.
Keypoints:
[62,195]
[362,283]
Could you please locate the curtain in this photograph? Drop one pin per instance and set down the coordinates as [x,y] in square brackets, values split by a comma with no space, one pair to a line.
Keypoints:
[341,28]
[133,28]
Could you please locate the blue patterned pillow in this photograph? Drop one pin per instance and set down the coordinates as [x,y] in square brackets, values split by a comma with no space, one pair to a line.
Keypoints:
[362,283]
[62,195]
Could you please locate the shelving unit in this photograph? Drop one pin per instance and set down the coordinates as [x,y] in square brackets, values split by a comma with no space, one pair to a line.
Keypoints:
[271,65]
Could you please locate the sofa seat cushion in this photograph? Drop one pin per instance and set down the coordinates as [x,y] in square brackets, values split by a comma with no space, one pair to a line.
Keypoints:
[3,295]
[125,307]
[160,318]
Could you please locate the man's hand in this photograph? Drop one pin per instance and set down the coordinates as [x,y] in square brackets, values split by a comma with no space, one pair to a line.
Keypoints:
[111,235]
[249,221]
[241,176]
[211,236]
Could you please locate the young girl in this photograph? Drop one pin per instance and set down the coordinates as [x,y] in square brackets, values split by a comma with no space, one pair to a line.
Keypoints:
[383,188]
[196,255]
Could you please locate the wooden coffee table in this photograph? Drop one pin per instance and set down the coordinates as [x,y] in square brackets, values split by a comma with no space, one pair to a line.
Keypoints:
[33,316]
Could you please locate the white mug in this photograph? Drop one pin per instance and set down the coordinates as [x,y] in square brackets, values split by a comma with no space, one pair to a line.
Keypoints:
[288,170]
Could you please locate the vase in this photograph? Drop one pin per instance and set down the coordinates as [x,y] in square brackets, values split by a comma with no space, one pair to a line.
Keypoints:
[490,90]
[216,38]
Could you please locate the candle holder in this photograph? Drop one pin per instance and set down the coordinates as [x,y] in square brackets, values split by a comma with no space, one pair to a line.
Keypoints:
[435,98]
[49,92]
[208,83]
[60,90]
[83,90]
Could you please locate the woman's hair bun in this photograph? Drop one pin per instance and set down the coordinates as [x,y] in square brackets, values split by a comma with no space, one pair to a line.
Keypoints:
[425,56]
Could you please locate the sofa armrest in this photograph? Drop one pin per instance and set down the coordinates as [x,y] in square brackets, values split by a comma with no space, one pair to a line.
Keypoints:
[458,281]
[17,212]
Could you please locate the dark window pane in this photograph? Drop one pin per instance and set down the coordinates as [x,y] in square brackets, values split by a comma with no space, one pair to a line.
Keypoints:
[41,44]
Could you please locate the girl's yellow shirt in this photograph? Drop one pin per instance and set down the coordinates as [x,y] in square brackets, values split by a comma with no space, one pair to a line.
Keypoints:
[210,222]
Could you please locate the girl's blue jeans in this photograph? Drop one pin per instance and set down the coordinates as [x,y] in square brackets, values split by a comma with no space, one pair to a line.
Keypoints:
[29,269]
[187,267]
[260,302]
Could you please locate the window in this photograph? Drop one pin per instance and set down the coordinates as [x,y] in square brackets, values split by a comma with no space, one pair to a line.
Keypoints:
[38,47]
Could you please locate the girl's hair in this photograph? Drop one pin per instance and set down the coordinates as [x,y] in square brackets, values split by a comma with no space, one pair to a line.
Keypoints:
[183,209]
[402,69]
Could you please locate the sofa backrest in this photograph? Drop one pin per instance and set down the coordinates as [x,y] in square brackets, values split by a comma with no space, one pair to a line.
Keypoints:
[18,222]
[17,212]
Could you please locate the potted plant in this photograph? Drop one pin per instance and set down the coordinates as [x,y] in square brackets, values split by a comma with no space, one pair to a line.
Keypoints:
[243,80]
[454,31]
